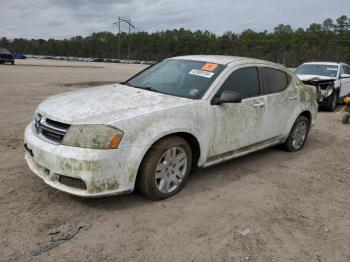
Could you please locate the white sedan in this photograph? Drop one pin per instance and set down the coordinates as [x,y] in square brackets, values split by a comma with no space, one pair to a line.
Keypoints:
[150,131]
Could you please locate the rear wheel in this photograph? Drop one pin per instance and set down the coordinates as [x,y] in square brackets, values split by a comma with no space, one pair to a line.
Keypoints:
[165,168]
[13,62]
[298,135]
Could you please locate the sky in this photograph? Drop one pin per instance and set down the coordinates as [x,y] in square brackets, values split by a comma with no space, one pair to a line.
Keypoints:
[66,18]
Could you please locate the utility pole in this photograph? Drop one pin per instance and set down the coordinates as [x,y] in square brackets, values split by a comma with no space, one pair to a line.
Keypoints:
[130,26]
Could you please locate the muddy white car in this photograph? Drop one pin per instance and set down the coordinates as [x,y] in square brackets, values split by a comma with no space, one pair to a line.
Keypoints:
[332,81]
[150,131]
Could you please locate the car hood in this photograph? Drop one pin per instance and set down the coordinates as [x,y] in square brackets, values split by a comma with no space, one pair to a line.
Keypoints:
[314,77]
[106,104]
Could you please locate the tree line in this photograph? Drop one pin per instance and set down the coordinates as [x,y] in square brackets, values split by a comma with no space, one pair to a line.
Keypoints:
[329,41]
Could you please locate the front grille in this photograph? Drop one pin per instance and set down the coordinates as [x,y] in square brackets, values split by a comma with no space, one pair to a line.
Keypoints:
[49,129]
[57,124]
[326,85]
[72,182]
[6,56]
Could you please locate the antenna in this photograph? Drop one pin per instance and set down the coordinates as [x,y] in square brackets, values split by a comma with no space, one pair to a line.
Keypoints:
[130,26]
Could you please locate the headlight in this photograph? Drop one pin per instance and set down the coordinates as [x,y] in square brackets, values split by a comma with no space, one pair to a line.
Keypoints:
[93,136]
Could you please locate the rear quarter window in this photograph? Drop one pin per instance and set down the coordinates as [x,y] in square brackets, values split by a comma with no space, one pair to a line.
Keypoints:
[274,80]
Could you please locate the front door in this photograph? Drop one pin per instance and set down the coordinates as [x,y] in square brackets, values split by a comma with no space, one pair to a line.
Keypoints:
[238,125]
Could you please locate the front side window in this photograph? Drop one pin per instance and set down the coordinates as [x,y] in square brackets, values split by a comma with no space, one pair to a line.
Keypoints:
[244,81]
[346,69]
[274,80]
[178,77]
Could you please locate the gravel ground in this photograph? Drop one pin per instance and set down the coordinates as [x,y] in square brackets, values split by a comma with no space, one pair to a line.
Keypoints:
[268,206]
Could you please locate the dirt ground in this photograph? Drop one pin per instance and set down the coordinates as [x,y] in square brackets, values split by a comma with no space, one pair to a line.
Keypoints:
[268,206]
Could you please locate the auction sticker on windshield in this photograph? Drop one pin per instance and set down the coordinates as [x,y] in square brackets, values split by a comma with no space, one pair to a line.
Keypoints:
[201,73]
[209,67]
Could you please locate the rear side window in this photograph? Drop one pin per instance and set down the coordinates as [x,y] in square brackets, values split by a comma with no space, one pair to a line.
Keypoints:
[244,81]
[274,80]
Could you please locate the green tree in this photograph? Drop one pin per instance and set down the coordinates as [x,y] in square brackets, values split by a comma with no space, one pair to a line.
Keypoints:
[327,41]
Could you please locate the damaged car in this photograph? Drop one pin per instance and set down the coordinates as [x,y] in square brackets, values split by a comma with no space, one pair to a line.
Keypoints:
[150,131]
[332,81]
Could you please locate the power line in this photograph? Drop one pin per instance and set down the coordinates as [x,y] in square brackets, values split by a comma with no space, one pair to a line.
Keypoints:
[130,27]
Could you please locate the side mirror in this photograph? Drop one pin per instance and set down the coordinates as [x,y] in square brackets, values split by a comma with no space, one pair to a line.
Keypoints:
[227,96]
[344,76]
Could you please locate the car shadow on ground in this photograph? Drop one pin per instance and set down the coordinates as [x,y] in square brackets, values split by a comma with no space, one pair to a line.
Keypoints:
[337,109]
[208,179]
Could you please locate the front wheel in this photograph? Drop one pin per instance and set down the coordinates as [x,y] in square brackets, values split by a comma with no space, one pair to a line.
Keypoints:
[165,168]
[298,135]
[331,102]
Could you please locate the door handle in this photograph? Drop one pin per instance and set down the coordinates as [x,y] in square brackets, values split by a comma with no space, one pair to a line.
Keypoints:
[259,104]
[291,98]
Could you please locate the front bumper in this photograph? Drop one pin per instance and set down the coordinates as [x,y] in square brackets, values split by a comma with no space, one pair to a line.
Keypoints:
[103,172]
[6,59]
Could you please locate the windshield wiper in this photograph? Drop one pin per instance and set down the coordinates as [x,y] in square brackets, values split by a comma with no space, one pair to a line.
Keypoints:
[148,88]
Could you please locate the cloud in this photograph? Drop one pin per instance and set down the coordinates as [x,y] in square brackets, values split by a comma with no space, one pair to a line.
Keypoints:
[66,18]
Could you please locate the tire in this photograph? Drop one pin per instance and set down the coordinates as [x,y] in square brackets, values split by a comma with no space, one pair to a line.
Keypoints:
[331,103]
[346,118]
[13,62]
[159,177]
[298,135]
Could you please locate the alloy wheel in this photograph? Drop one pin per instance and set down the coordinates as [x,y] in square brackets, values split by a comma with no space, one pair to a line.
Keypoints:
[299,135]
[171,169]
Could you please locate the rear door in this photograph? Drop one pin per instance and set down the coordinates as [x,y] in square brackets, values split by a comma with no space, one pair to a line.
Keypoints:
[344,82]
[281,101]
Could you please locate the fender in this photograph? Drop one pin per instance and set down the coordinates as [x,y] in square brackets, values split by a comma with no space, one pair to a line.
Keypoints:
[296,114]
[307,103]
[138,153]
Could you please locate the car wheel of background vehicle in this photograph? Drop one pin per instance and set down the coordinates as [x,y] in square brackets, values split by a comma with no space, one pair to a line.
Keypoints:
[12,62]
[298,135]
[346,118]
[165,168]
[332,102]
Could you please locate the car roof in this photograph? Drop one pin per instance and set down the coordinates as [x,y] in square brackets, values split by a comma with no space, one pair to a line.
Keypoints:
[323,63]
[224,60]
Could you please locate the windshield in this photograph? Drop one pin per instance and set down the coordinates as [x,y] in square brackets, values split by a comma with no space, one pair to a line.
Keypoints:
[177,77]
[3,50]
[317,69]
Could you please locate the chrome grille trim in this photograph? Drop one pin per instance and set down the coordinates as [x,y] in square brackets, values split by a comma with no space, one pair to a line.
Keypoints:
[45,125]
[46,130]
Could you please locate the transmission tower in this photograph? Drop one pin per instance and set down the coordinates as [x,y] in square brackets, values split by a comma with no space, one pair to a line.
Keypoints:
[130,27]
